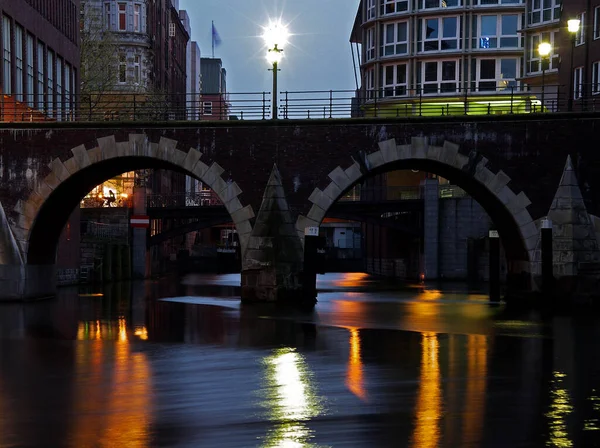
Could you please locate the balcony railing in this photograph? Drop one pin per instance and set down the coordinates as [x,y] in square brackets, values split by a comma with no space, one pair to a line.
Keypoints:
[443,99]
[201,199]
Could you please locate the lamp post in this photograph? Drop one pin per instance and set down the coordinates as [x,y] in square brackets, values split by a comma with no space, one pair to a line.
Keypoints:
[275,36]
[544,50]
[573,27]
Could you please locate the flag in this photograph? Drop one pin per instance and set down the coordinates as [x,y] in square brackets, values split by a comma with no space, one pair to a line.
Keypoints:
[215,36]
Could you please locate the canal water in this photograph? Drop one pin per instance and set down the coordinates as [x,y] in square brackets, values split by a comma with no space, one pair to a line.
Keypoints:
[180,363]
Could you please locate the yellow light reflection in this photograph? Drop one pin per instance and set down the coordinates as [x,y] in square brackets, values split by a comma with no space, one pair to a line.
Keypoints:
[351,279]
[429,401]
[118,411]
[591,424]
[474,410]
[290,399]
[141,332]
[355,380]
[560,408]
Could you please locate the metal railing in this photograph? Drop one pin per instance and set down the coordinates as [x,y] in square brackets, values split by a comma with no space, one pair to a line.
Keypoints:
[104,232]
[390,193]
[438,99]
[201,199]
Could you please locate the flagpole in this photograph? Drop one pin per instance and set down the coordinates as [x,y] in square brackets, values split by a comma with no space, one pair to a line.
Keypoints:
[212,33]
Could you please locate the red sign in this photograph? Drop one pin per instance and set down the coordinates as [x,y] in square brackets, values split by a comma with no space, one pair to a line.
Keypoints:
[140,221]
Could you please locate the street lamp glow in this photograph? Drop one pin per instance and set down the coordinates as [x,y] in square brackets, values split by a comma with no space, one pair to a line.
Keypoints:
[544,49]
[275,35]
[573,25]
[274,56]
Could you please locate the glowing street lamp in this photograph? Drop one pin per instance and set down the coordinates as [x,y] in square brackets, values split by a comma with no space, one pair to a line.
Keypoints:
[275,37]
[573,27]
[544,50]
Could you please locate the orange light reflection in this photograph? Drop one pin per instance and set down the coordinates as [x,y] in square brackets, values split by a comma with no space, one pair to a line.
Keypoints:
[351,279]
[477,348]
[355,380]
[429,400]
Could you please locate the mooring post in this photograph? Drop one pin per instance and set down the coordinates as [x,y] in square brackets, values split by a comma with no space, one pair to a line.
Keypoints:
[547,257]
[494,266]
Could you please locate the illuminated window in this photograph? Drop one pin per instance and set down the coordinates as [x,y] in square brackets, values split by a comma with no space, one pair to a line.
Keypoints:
[533,55]
[496,31]
[580,36]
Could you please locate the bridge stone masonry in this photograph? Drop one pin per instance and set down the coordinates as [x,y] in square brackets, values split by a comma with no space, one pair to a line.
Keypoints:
[277,177]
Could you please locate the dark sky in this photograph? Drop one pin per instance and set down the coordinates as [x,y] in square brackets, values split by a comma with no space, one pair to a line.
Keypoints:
[317,57]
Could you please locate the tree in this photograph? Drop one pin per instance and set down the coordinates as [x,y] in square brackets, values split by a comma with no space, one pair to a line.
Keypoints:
[99,57]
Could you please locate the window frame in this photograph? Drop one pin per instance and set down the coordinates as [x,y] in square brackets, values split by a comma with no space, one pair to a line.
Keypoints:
[207,108]
[122,16]
[596,78]
[384,44]
[137,18]
[498,36]
[389,7]
[19,62]
[440,5]
[555,12]
[7,54]
[423,39]
[396,86]
[533,55]
[370,47]
[580,35]
[29,55]
[122,69]
[577,82]
[137,69]
[477,79]
[439,81]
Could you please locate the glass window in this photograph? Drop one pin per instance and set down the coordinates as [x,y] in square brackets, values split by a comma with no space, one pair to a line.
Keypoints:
[495,75]
[59,87]
[497,31]
[541,11]
[577,82]
[30,74]
[439,76]
[41,75]
[596,78]
[122,17]
[439,34]
[533,56]
[7,58]
[394,38]
[137,69]
[393,6]
[107,16]
[430,4]
[136,17]
[371,8]
[207,108]
[580,36]
[394,80]
[19,63]
[370,44]
[68,90]
[122,68]
[50,72]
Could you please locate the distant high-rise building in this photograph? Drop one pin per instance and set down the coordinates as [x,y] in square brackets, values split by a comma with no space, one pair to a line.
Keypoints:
[214,99]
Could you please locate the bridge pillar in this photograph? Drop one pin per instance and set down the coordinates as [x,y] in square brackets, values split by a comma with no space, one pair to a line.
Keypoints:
[431,212]
[139,250]
[23,282]
[272,262]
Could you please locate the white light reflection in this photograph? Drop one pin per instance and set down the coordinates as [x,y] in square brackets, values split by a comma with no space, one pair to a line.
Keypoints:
[290,399]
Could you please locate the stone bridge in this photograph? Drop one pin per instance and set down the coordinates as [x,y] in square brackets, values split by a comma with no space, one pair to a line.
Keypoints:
[512,165]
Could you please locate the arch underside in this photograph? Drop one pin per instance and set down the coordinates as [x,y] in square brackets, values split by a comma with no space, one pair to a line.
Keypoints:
[506,208]
[43,215]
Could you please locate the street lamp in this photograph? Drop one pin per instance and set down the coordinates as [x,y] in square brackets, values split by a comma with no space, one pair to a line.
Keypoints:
[275,37]
[573,27]
[544,50]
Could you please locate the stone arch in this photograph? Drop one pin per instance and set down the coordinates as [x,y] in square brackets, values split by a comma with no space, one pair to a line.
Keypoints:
[71,177]
[508,209]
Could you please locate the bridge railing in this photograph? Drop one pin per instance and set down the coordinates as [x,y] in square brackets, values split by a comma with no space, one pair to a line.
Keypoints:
[200,199]
[385,193]
[440,98]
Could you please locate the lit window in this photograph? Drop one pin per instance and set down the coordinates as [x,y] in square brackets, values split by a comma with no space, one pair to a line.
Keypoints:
[496,31]
[580,36]
[533,55]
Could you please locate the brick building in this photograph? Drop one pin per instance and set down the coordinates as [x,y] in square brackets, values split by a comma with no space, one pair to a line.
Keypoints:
[40,59]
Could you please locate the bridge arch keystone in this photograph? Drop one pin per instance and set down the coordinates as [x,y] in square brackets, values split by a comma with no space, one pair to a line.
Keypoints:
[494,185]
[70,173]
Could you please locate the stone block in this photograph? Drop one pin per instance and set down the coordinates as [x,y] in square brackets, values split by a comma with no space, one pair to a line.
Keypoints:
[319,198]
[353,172]
[233,206]
[520,202]
[244,238]
[59,169]
[340,178]
[166,147]
[36,200]
[108,147]
[138,144]
[449,152]
[212,174]
[523,218]
[529,230]
[95,155]
[434,153]
[153,150]
[303,222]
[506,196]
[243,214]
[71,165]
[231,191]
[316,213]
[404,152]
[500,180]
[200,170]
[460,161]
[80,154]
[243,227]
[483,174]
[333,191]
[122,149]
[389,150]
[374,160]
[51,181]
[419,147]
[178,157]
[219,185]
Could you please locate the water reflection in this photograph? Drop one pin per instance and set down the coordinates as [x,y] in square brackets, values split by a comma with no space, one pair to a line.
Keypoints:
[429,399]
[474,410]
[560,408]
[291,400]
[122,395]
[355,380]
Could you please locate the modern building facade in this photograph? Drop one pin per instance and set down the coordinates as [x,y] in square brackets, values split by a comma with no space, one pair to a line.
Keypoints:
[434,57]
[40,59]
